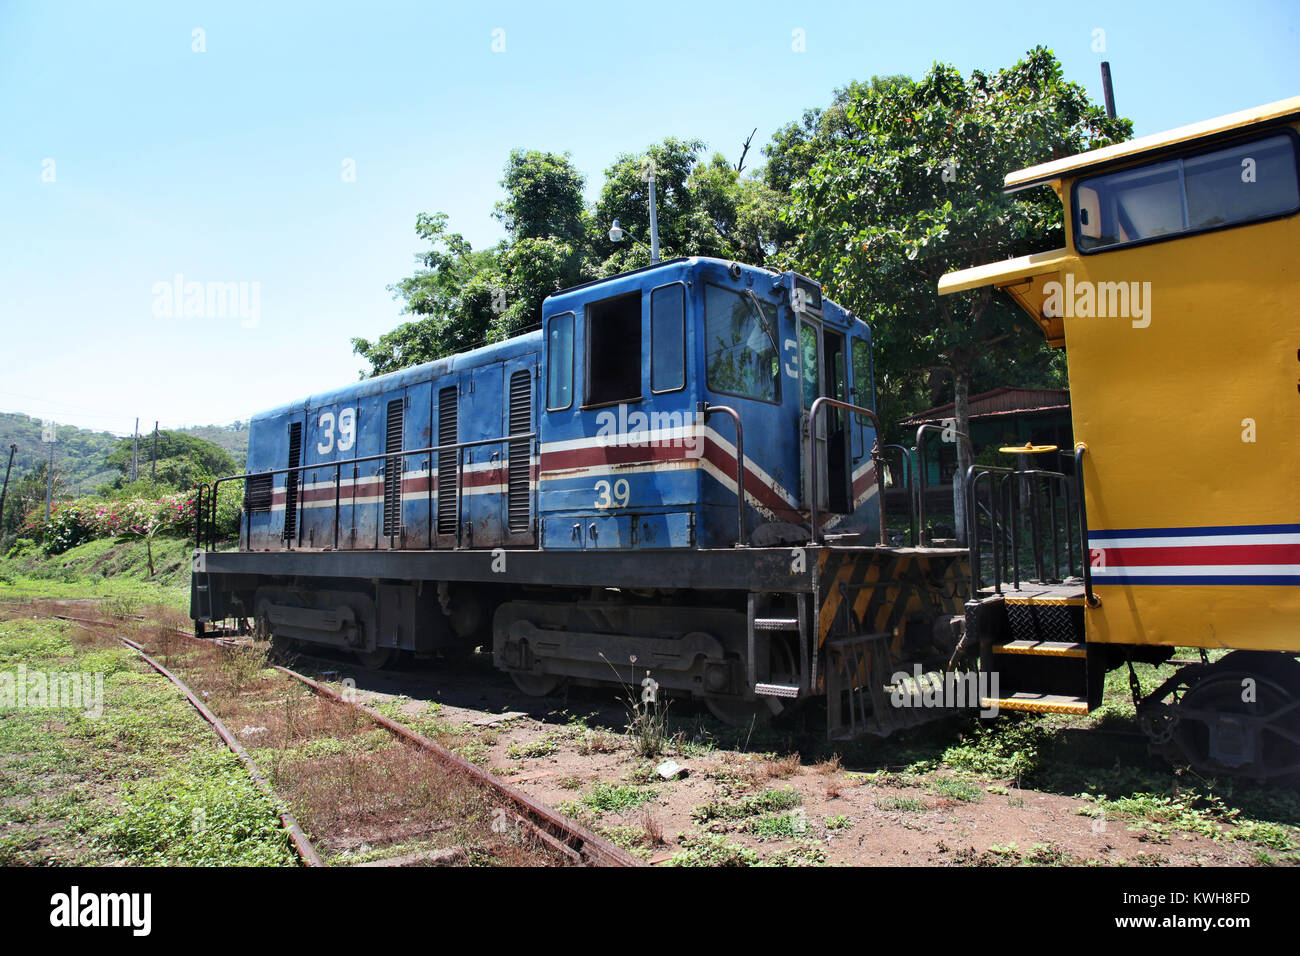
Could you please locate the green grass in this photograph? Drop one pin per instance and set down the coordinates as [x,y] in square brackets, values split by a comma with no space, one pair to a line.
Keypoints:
[147,782]
[768,801]
[782,826]
[617,798]
[103,568]
[894,801]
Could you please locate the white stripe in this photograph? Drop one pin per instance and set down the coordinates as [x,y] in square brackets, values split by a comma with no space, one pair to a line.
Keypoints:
[1188,570]
[1193,541]
[648,438]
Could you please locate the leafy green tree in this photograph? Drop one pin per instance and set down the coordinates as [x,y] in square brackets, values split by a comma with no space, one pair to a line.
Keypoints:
[461,299]
[901,182]
[183,459]
[451,295]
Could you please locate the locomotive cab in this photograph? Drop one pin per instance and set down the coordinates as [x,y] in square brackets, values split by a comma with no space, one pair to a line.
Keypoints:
[631,455]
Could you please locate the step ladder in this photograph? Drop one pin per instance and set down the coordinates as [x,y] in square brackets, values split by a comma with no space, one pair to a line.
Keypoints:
[1033,650]
[772,614]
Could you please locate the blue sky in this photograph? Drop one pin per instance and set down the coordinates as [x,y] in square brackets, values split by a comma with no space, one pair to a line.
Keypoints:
[228,165]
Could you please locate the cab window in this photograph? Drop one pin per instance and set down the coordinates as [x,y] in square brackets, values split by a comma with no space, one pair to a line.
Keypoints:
[559,362]
[668,338]
[740,345]
[614,350]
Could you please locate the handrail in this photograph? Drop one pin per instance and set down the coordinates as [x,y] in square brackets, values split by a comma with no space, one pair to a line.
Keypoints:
[973,475]
[909,476]
[1005,518]
[813,412]
[404,453]
[1085,553]
[920,455]
[706,409]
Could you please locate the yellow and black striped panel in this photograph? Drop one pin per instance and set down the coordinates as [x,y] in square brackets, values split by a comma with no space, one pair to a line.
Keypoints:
[873,590]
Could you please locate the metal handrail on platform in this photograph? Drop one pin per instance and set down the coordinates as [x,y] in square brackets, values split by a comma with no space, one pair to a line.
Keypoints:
[430,451]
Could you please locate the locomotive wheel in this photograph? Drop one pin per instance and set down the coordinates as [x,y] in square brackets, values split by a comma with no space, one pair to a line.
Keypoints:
[735,712]
[1199,727]
[378,658]
[535,685]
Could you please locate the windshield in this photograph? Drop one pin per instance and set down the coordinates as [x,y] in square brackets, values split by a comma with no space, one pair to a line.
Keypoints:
[741,354]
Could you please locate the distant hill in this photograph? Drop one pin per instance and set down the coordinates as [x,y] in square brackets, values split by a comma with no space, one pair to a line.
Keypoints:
[233,438]
[79,453]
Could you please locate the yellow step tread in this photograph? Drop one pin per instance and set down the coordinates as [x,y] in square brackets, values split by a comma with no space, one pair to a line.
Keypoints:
[1038,703]
[1050,595]
[1043,648]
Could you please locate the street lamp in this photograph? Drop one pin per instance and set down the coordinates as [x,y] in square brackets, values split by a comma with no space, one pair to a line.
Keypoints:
[617,232]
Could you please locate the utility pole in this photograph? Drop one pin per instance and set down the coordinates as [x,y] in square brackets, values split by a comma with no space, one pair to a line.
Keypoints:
[51,435]
[5,491]
[654,220]
[153,465]
[1106,89]
[135,449]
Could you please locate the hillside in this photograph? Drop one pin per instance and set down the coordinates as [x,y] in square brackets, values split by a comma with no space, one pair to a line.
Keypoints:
[79,453]
[233,438]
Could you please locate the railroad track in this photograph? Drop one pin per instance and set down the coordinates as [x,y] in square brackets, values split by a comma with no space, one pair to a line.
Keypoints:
[555,831]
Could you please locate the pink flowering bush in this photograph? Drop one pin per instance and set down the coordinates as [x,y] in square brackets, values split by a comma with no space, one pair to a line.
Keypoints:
[73,522]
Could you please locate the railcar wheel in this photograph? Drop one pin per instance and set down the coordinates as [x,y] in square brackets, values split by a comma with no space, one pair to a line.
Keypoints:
[735,712]
[535,685]
[1218,720]
[378,658]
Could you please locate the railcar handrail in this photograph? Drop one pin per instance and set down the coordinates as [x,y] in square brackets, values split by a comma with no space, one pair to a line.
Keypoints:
[1080,449]
[920,456]
[430,450]
[820,403]
[1005,516]
[708,410]
[909,477]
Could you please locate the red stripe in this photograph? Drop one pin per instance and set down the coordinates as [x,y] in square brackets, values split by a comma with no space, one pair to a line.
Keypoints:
[596,455]
[863,483]
[755,486]
[1203,555]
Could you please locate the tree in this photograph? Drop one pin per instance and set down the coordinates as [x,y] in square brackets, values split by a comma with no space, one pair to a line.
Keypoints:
[183,459]
[901,182]
[462,299]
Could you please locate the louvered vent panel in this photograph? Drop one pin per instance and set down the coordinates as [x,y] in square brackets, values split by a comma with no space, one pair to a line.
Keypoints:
[393,469]
[518,497]
[257,493]
[447,432]
[291,482]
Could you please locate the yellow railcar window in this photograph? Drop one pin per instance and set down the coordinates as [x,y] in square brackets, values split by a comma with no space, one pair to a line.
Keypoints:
[1241,183]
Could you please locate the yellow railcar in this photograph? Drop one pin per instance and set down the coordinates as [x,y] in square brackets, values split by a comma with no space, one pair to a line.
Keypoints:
[1177,300]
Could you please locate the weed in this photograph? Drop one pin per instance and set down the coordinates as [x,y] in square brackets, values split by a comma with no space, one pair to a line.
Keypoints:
[712,850]
[769,801]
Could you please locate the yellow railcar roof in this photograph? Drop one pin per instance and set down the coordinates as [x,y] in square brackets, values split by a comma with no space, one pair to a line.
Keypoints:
[1072,166]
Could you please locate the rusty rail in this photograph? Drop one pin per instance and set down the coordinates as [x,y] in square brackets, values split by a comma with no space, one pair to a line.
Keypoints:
[301,844]
[557,831]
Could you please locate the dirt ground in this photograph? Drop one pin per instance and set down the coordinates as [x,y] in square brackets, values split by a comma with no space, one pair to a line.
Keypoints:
[571,753]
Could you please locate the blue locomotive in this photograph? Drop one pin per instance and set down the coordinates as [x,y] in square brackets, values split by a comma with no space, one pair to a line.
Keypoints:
[632,487]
